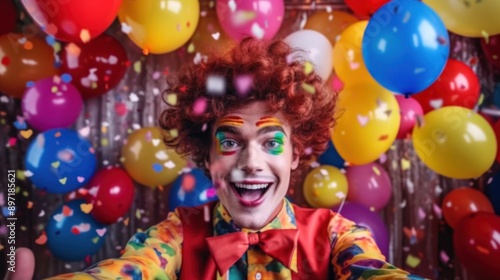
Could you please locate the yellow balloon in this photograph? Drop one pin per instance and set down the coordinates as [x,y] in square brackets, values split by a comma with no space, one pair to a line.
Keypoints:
[348,59]
[468,18]
[148,161]
[455,142]
[325,186]
[159,26]
[367,122]
[331,24]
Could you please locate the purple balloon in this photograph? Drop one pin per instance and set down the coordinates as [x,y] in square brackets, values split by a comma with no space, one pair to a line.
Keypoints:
[51,103]
[369,185]
[362,216]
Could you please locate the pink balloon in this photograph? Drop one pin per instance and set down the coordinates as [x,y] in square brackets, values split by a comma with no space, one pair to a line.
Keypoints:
[51,103]
[369,185]
[409,109]
[260,19]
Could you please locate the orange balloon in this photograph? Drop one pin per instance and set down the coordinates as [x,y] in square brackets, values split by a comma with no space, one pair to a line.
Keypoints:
[22,60]
[462,202]
[209,36]
[331,24]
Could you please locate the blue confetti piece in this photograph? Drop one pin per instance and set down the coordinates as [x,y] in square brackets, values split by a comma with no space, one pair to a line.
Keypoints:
[50,40]
[30,84]
[7,213]
[20,125]
[157,167]
[66,78]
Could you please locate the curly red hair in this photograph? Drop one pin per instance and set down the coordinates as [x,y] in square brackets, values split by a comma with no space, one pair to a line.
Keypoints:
[285,85]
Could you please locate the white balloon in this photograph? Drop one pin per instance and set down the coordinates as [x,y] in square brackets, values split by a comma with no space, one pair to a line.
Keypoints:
[312,46]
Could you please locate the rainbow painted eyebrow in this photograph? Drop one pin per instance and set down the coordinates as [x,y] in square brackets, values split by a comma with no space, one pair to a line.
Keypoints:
[231,120]
[268,121]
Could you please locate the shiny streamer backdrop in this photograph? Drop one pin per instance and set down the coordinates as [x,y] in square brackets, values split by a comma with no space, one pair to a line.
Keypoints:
[421,242]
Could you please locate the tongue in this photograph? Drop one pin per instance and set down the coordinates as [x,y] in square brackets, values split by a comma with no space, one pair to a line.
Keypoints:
[250,195]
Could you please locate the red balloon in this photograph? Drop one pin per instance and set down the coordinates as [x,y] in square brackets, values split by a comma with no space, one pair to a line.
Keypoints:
[7,16]
[95,67]
[111,192]
[492,49]
[462,202]
[73,21]
[457,85]
[365,8]
[477,245]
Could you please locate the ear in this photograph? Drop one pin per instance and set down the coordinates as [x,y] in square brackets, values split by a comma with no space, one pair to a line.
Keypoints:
[295,159]
[207,162]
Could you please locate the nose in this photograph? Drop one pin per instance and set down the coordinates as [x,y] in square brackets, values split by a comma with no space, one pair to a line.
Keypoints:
[250,160]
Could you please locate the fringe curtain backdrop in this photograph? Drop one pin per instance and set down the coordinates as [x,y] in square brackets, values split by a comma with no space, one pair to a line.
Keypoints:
[421,242]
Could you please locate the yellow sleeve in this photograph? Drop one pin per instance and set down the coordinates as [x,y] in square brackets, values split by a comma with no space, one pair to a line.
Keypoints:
[153,254]
[355,255]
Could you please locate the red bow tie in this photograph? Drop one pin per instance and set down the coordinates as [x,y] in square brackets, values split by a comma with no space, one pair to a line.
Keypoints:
[227,249]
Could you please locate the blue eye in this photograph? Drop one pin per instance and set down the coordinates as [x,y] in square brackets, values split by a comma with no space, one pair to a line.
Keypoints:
[227,143]
[273,144]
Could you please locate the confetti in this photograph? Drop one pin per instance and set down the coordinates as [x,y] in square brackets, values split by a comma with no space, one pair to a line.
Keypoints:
[173,133]
[243,84]
[444,257]
[42,213]
[26,133]
[42,239]
[436,103]
[157,167]
[133,97]
[362,119]
[215,85]
[309,88]
[188,182]
[86,207]
[101,231]
[63,180]
[126,28]
[199,106]
[55,164]
[412,261]
[66,211]
[405,164]
[85,35]
[137,66]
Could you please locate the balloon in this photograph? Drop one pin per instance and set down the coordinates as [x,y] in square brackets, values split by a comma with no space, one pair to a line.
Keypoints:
[73,21]
[458,85]
[51,103]
[491,49]
[347,57]
[405,46]
[493,192]
[148,161]
[462,202]
[111,193]
[23,60]
[209,36]
[365,8]
[72,233]
[158,26]
[410,109]
[496,130]
[331,157]
[455,142]
[362,216]
[330,23]
[191,189]
[8,15]
[469,19]
[325,186]
[367,123]
[476,244]
[95,67]
[313,47]
[260,19]
[369,185]
[60,160]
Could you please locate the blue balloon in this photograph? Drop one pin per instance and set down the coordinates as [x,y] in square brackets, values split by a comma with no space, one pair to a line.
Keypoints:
[493,192]
[73,235]
[193,191]
[405,46]
[61,161]
[331,157]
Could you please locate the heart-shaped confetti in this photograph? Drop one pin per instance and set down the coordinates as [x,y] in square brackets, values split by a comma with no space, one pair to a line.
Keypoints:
[67,211]
[362,120]
[405,164]
[156,142]
[42,239]
[354,65]
[436,103]
[28,173]
[257,31]
[133,97]
[55,164]
[243,84]
[86,207]
[216,35]
[95,240]
[75,230]
[126,28]
[63,180]
[80,179]
[26,133]
[101,231]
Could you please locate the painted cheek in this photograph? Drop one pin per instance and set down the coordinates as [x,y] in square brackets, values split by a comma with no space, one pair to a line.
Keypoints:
[280,138]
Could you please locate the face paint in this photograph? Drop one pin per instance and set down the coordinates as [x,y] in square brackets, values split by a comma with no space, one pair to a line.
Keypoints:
[268,121]
[230,121]
[278,144]
[222,140]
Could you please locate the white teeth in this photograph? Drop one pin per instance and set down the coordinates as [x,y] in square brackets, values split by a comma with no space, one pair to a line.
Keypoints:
[251,186]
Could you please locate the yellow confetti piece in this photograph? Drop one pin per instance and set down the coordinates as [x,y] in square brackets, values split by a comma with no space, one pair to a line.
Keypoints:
[26,133]
[57,47]
[308,67]
[93,85]
[95,240]
[104,142]
[174,133]
[137,66]
[309,88]
[171,99]
[376,170]
[24,228]
[53,89]
[139,230]
[405,164]
[486,36]
[63,180]
[86,207]
[190,48]
[18,189]
[25,193]
[412,261]
[84,35]
[137,214]
[55,164]
[481,99]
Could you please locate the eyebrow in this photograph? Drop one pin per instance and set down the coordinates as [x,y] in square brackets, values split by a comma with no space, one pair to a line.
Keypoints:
[264,130]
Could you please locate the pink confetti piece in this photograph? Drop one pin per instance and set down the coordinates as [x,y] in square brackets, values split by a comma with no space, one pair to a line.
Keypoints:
[12,142]
[80,179]
[200,106]
[444,257]
[421,213]
[101,231]
[383,158]
[362,120]
[437,210]
[243,84]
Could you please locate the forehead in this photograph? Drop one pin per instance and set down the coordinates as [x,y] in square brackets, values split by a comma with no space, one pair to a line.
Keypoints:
[254,113]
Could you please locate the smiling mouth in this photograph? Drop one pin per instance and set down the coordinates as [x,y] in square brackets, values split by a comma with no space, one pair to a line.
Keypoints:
[250,193]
